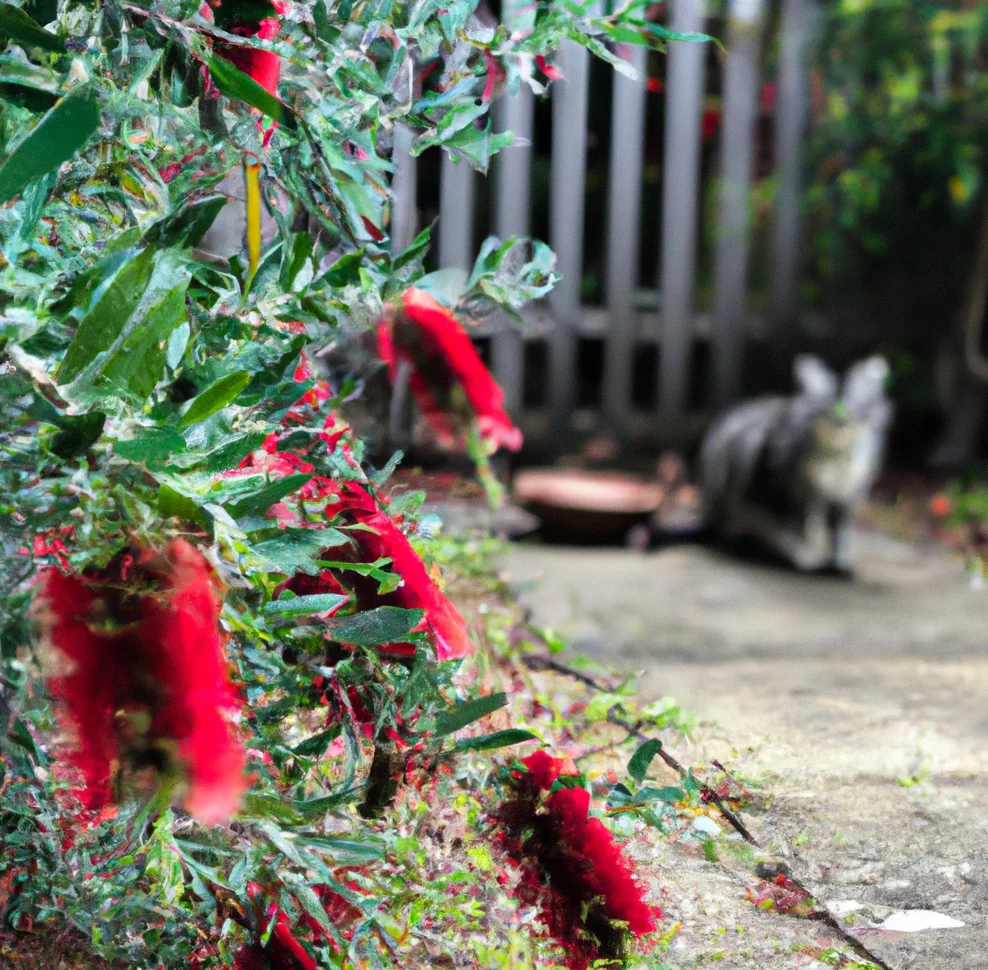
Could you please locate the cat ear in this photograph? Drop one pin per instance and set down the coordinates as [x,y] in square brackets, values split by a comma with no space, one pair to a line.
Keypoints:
[864,385]
[814,379]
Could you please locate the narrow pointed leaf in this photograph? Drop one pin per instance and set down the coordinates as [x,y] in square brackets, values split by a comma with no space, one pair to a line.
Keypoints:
[60,134]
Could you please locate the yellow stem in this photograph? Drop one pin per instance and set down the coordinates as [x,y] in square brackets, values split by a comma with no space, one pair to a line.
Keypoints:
[252,170]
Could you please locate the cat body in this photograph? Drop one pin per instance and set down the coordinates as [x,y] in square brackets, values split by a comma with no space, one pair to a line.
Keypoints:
[792,472]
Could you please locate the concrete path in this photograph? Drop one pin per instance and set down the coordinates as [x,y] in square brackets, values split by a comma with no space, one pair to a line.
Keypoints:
[859,710]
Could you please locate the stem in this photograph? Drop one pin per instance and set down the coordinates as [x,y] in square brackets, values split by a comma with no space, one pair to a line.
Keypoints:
[485,474]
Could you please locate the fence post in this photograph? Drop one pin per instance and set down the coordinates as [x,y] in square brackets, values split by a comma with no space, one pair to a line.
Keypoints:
[623,231]
[569,163]
[456,215]
[680,191]
[404,213]
[737,150]
[790,124]
[512,218]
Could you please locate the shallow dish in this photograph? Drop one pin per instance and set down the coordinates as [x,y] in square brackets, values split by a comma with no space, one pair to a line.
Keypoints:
[578,506]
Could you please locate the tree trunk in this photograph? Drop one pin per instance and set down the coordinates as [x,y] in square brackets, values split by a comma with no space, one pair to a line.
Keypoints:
[963,378]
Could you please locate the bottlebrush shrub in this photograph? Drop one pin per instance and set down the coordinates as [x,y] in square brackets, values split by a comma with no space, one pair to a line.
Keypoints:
[161,410]
[570,867]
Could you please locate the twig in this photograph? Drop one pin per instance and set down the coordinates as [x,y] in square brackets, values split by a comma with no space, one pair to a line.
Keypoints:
[706,792]
[539,662]
[849,938]
[731,778]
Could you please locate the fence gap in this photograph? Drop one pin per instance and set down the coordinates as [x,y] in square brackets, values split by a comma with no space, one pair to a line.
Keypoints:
[404,213]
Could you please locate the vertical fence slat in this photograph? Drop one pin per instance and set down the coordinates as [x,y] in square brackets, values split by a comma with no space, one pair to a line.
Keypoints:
[456,215]
[404,216]
[680,191]
[512,218]
[569,163]
[790,123]
[737,151]
[623,232]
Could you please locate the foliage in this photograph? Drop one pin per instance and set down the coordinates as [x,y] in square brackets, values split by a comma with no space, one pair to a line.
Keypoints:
[157,399]
[900,124]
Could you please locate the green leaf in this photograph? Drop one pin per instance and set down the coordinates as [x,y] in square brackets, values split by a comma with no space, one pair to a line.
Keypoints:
[225,456]
[293,550]
[172,502]
[106,320]
[345,852]
[163,866]
[261,499]
[371,628]
[304,605]
[419,246]
[621,798]
[642,758]
[137,364]
[150,445]
[262,805]
[499,739]
[460,715]
[235,84]
[78,434]
[300,254]
[62,132]
[283,841]
[185,226]
[216,397]
[315,747]
[21,735]
[16,25]
[344,272]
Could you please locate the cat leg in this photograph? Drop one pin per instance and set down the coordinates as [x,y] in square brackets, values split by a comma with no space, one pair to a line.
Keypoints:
[802,546]
[807,548]
[843,532]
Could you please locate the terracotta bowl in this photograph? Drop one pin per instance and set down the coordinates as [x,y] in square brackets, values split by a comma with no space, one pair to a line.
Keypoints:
[584,507]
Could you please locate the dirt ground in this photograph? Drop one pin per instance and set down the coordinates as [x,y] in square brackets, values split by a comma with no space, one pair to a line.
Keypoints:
[857,710]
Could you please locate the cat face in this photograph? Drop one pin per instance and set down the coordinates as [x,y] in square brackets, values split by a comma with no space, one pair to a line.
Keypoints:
[842,457]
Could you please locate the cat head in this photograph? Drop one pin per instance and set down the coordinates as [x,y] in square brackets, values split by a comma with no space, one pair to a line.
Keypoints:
[844,449]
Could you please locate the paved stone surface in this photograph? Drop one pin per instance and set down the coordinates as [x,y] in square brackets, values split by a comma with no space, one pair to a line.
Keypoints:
[858,709]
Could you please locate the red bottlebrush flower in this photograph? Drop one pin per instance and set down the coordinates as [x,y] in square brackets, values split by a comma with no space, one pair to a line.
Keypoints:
[444,623]
[941,506]
[284,951]
[495,75]
[49,543]
[170,172]
[550,71]
[768,97]
[264,67]
[136,664]
[451,384]
[571,868]
[709,123]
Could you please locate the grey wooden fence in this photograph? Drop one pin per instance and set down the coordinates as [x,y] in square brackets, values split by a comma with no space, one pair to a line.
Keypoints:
[629,318]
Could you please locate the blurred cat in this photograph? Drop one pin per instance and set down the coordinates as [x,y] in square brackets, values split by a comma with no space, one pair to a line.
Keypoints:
[792,472]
